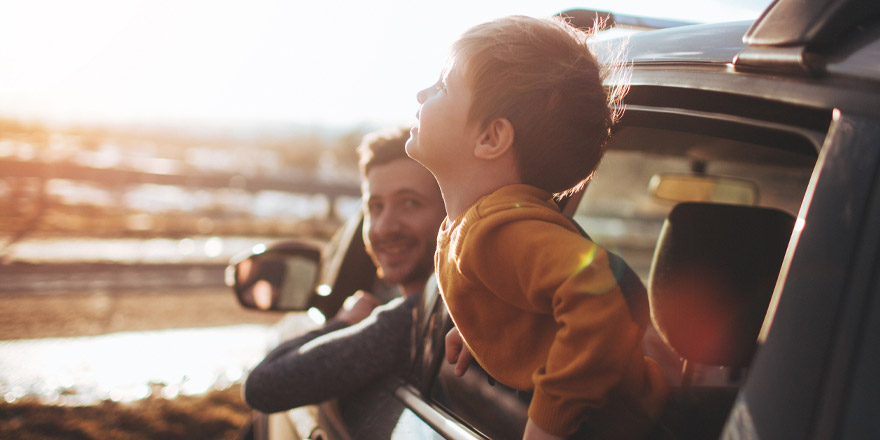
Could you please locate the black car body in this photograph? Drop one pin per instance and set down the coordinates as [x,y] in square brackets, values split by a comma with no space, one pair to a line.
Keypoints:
[789,106]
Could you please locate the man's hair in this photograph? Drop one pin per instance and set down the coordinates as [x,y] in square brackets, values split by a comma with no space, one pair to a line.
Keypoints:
[539,74]
[381,147]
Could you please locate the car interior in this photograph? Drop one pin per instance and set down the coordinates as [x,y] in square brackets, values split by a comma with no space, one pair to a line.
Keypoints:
[711,281]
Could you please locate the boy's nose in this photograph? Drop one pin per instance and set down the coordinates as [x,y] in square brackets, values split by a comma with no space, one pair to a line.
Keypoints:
[423,95]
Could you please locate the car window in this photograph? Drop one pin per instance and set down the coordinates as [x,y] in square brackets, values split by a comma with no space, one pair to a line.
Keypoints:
[491,408]
[428,333]
[476,400]
[619,212]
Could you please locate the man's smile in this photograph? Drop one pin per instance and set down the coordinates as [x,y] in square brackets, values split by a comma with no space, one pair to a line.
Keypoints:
[395,246]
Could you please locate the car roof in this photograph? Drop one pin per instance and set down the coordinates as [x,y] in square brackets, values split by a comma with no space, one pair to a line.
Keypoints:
[787,23]
[856,55]
[705,43]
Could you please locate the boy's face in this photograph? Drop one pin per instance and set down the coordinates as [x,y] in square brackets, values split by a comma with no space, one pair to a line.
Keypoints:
[443,136]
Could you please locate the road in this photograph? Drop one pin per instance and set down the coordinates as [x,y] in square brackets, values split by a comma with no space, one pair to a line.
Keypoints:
[64,300]
[78,277]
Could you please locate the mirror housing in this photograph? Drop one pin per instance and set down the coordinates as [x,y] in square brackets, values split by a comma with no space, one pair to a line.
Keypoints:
[282,276]
[703,188]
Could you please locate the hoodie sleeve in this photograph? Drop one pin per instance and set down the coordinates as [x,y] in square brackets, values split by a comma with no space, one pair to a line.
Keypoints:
[330,363]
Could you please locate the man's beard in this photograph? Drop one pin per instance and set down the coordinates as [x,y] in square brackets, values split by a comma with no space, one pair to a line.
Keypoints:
[420,272]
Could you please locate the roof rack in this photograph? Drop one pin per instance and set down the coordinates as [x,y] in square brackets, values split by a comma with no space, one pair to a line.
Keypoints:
[586,19]
[791,34]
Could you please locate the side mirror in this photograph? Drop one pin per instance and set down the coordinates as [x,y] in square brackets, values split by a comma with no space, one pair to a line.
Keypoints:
[299,275]
[281,277]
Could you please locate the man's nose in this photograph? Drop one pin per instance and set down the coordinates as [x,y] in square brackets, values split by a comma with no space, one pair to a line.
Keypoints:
[386,222]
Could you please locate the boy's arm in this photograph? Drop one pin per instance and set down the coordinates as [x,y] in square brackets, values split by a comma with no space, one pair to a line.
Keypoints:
[457,352]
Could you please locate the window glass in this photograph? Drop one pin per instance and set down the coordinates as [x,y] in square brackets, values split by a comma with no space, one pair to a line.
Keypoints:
[491,408]
[620,213]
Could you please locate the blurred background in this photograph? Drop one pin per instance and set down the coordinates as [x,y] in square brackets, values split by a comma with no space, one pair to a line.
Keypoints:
[144,143]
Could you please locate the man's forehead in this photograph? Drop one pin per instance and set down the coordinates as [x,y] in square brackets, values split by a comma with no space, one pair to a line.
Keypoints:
[399,176]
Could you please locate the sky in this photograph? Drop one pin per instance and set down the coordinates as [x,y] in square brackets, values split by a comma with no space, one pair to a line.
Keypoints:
[252,63]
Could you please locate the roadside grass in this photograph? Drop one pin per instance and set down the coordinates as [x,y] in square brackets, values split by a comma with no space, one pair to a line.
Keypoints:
[218,414]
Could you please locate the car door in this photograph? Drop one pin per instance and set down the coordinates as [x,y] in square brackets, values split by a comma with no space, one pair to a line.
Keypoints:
[808,380]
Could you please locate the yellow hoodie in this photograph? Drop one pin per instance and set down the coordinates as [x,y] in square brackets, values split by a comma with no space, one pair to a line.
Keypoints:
[540,308]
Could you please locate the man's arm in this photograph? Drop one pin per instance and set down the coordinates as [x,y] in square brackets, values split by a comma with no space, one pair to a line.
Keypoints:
[355,308]
[308,370]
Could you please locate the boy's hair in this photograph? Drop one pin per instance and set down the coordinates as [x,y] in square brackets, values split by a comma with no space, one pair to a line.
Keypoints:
[381,147]
[539,74]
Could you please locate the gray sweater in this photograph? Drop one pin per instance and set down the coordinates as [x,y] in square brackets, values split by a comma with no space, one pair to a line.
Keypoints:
[333,361]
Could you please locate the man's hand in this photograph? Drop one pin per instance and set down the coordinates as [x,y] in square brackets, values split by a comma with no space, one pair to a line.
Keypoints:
[357,307]
[457,353]
[534,432]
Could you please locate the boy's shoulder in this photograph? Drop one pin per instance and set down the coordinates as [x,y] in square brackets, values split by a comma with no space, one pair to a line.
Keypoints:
[517,207]
[520,198]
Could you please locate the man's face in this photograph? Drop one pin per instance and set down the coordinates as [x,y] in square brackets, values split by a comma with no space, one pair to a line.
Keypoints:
[403,209]
[443,135]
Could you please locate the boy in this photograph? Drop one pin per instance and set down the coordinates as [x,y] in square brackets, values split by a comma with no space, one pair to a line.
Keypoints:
[520,114]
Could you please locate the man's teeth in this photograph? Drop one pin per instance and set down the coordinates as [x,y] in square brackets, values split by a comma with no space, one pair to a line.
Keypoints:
[394,249]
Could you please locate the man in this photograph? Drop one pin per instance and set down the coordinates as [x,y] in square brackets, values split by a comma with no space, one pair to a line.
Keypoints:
[403,209]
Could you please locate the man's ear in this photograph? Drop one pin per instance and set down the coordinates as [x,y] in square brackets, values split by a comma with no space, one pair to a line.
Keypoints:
[495,140]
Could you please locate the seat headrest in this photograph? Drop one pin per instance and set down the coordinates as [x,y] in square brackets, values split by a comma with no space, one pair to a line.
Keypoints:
[713,273]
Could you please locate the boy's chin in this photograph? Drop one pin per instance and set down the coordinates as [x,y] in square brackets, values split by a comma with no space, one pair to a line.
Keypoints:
[412,146]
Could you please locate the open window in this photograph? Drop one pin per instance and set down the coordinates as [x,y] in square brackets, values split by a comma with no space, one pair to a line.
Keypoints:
[660,157]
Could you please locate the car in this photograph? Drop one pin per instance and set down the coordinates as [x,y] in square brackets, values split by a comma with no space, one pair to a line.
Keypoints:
[742,186]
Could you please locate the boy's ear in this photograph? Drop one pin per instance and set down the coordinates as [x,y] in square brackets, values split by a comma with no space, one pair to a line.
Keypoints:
[495,140]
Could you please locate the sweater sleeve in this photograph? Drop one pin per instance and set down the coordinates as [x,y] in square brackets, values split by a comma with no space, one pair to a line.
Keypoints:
[553,271]
[297,342]
[330,363]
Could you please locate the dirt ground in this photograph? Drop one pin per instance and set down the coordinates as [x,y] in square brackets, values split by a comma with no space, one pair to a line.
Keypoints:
[29,315]
[218,415]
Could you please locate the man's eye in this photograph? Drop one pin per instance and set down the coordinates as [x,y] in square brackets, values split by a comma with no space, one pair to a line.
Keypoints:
[412,203]
[374,208]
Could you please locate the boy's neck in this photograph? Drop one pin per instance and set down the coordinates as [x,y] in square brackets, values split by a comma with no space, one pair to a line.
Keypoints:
[462,192]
